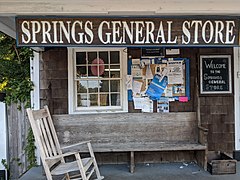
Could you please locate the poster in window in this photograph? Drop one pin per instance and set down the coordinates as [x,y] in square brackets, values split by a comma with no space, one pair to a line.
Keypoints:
[215,74]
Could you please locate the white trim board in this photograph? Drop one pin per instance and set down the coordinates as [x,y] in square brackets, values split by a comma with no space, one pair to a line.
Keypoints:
[237,96]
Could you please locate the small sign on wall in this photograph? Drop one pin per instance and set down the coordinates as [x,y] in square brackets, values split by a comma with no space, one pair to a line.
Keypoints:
[215,74]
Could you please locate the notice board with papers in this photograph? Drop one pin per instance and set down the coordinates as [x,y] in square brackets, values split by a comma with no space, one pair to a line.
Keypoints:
[157,78]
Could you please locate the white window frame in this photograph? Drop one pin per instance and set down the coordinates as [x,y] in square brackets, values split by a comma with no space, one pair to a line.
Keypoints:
[72,97]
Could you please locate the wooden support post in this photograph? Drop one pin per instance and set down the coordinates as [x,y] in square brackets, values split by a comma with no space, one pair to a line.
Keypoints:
[132,163]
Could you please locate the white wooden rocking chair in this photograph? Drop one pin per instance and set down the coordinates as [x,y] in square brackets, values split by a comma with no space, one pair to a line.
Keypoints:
[52,156]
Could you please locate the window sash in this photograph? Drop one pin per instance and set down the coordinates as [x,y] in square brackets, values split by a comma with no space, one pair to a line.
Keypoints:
[123,107]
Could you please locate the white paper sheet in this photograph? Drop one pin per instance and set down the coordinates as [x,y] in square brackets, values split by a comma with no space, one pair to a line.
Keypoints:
[137,86]
[135,61]
[175,72]
[138,103]
[129,82]
[136,71]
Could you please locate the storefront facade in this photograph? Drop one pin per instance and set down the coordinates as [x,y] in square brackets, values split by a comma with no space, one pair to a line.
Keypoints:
[99,63]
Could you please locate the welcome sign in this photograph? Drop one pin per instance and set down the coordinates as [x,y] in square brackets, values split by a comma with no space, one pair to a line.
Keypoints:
[126,31]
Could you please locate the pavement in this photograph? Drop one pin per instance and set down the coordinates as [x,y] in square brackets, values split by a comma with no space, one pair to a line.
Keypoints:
[163,171]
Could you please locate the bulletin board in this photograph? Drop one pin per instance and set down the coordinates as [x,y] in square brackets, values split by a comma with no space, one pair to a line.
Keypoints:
[161,79]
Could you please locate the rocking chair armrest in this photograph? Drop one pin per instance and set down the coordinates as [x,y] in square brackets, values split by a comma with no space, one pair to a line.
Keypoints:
[61,155]
[73,146]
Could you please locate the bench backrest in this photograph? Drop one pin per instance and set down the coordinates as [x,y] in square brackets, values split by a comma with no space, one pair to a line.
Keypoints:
[127,127]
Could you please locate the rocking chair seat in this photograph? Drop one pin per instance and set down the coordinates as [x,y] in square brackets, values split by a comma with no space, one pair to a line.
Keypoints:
[63,168]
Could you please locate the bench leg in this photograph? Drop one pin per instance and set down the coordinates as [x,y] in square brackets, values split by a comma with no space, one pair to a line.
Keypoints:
[201,157]
[132,163]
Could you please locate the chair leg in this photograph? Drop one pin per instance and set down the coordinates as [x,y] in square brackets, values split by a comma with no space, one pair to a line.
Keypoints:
[47,171]
[80,165]
[67,176]
[99,177]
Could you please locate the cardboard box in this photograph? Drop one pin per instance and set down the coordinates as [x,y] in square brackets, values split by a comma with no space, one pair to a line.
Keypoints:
[220,163]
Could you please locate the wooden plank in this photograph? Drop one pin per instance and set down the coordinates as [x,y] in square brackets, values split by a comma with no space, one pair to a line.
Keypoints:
[42,113]
[127,147]
[18,128]
[126,127]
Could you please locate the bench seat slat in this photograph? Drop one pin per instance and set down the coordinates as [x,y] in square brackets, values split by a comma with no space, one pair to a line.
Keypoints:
[157,146]
[147,147]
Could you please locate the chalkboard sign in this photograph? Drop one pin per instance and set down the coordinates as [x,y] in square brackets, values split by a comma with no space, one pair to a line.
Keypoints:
[215,76]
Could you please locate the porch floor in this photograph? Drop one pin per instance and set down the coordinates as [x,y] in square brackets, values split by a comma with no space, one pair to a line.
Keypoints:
[165,171]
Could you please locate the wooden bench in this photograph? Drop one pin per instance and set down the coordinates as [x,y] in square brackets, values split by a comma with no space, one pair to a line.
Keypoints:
[135,132]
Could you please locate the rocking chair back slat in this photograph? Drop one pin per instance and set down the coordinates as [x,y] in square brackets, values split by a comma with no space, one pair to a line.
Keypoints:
[50,137]
[45,138]
[42,138]
[53,132]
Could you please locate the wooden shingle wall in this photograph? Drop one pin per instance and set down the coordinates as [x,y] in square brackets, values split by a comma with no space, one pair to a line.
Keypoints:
[217,114]
[54,80]
[217,111]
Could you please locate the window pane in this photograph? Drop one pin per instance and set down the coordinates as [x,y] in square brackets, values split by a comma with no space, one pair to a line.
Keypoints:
[80,58]
[115,71]
[81,71]
[114,57]
[82,100]
[92,71]
[93,86]
[93,100]
[104,86]
[115,67]
[104,56]
[115,85]
[115,99]
[82,87]
[115,74]
[104,100]
[91,57]
[106,72]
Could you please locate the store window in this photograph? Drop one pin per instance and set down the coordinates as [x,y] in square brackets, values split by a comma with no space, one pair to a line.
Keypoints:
[96,80]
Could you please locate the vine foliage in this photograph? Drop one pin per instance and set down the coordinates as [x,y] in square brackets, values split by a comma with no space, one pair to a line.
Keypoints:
[15,71]
[15,82]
